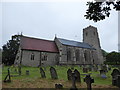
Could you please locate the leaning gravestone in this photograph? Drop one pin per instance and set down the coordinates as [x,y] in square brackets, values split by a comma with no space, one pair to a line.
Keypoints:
[69,74]
[77,74]
[8,75]
[53,73]
[42,73]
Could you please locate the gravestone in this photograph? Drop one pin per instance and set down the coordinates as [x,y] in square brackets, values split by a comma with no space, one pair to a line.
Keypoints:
[58,86]
[118,81]
[88,81]
[73,81]
[103,74]
[42,73]
[115,73]
[77,74]
[8,75]
[27,72]
[85,70]
[69,74]
[53,73]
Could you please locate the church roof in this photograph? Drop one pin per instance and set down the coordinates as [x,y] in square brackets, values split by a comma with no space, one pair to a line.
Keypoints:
[75,43]
[29,43]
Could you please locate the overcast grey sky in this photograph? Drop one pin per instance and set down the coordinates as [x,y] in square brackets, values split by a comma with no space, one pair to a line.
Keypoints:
[65,19]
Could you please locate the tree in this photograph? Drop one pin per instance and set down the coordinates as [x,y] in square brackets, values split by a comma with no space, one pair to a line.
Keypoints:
[10,50]
[99,10]
[113,58]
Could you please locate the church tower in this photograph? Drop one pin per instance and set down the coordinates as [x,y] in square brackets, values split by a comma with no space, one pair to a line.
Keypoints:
[90,36]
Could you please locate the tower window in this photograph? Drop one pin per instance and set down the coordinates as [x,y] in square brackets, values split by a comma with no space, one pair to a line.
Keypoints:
[94,33]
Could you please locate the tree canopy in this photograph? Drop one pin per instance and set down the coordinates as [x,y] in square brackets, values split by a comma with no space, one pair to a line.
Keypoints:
[100,10]
[10,50]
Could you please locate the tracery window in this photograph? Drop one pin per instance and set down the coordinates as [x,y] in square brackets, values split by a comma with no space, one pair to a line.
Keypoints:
[77,54]
[68,54]
[32,56]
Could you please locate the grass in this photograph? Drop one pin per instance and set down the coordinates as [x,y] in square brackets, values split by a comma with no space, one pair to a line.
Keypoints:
[35,78]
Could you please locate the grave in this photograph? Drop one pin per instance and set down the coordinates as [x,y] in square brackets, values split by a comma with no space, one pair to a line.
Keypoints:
[42,73]
[73,81]
[85,70]
[77,74]
[103,74]
[53,73]
[8,76]
[69,74]
[88,81]
[27,72]
[115,77]
[58,86]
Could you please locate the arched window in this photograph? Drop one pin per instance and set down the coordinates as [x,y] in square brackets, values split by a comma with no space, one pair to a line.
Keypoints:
[32,56]
[44,56]
[68,54]
[85,55]
[77,54]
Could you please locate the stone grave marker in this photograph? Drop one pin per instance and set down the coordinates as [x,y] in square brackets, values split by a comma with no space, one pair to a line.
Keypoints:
[58,86]
[8,76]
[103,74]
[42,73]
[118,81]
[73,81]
[88,81]
[115,73]
[77,74]
[85,70]
[53,73]
[69,74]
[27,72]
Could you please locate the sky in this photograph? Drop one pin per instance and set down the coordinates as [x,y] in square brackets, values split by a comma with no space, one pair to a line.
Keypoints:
[45,19]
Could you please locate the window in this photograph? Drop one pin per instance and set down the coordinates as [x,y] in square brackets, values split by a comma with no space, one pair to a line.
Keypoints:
[32,56]
[94,33]
[17,57]
[85,55]
[77,54]
[86,33]
[68,54]
[44,56]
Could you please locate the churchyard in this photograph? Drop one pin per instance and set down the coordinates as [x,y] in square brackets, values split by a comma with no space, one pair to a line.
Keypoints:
[58,77]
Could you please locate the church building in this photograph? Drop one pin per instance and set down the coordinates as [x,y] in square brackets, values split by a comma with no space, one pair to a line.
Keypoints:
[38,52]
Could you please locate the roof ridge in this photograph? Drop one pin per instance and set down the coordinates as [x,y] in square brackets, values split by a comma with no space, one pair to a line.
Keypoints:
[37,38]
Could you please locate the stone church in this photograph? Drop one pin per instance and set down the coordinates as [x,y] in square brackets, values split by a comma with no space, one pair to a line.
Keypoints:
[38,52]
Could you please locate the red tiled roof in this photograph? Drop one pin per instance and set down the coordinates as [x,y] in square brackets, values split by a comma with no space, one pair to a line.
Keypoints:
[29,43]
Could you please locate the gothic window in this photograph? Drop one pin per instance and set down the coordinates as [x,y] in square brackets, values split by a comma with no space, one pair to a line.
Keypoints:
[85,55]
[44,57]
[77,54]
[32,56]
[17,57]
[68,54]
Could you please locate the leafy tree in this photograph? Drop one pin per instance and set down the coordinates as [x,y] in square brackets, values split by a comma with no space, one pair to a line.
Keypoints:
[104,53]
[10,50]
[113,58]
[99,10]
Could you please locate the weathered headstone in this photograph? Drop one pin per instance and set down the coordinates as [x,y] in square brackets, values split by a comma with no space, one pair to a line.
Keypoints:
[88,81]
[8,75]
[42,73]
[103,74]
[118,81]
[58,86]
[73,82]
[114,75]
[115,72]
[53,73]
[85,70]
[77,74]
[69,74]
[27,72]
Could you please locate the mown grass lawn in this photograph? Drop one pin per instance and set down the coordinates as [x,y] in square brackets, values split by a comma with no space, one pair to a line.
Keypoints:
[34,79]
